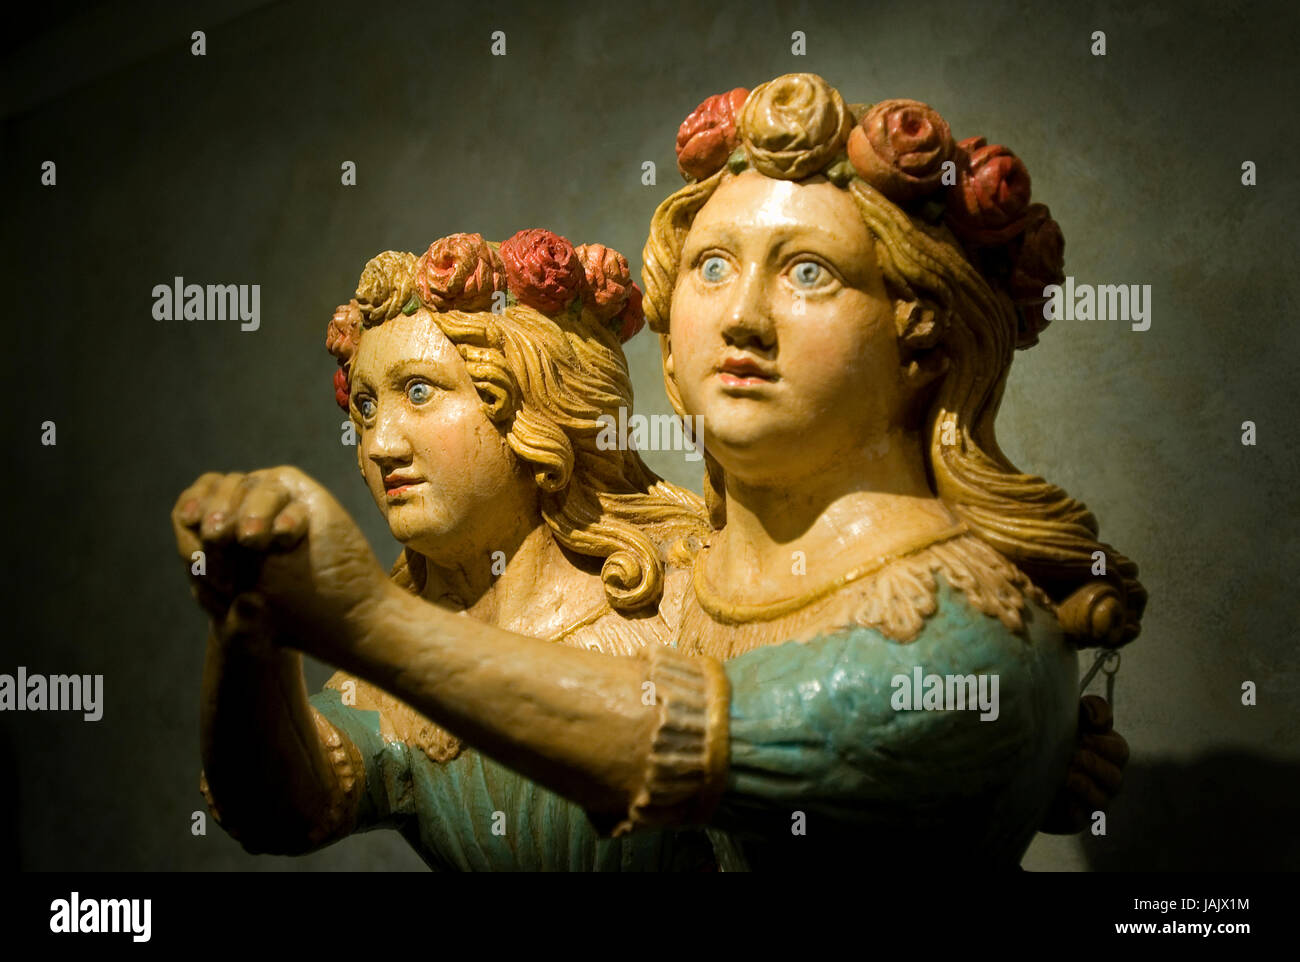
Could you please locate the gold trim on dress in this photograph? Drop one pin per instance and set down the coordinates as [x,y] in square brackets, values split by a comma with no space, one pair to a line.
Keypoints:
[733,613]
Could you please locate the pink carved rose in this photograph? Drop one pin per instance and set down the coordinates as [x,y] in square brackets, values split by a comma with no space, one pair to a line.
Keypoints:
[459,272]
[543,269]
[900,147]
[341,389]
[1038,258]
[631,318]
[987,205]
[708,136]
[344,331]
[608,278]
[341,339]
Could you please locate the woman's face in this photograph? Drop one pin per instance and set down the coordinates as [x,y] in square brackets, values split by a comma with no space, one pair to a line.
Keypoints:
[441,473]
[782,334]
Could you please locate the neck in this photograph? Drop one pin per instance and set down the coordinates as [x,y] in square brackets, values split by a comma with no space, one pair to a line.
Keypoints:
[536,584]
[782,538]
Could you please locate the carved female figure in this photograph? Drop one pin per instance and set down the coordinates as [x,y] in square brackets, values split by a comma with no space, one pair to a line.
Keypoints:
[477,438]
[818,263]
[847,352]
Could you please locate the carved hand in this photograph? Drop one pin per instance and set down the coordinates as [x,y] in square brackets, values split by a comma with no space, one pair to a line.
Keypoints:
[280,549]
[1096,770]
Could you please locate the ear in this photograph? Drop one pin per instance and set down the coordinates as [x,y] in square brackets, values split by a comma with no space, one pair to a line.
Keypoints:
[921,326]
[666,352]
[924,368]
[921,374]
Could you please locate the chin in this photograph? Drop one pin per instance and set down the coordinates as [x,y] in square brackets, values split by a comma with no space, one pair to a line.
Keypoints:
[412,524]
[744,425]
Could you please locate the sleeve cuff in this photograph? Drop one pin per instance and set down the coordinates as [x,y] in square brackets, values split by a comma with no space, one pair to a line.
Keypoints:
[348,768]
[686,769]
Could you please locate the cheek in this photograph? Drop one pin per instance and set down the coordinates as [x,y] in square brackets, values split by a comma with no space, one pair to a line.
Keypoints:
[828,348]
[450,439]
[688,329]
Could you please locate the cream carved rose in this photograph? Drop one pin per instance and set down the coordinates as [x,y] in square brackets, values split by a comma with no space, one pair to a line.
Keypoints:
[378,296]
[794,126]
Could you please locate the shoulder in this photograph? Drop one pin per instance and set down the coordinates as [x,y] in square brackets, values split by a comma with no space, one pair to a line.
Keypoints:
[958,579]
[849,678]
[899,601]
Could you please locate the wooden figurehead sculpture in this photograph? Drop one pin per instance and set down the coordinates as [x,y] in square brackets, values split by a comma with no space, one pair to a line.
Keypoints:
[872,654]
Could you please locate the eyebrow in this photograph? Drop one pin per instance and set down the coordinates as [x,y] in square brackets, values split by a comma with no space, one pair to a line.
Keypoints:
[721,232]
[398,374]
[781,236]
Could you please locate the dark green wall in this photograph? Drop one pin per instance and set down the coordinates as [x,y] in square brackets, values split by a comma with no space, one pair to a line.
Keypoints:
[225,169]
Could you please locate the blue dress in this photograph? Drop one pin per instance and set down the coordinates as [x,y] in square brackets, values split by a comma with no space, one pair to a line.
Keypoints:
[826,768]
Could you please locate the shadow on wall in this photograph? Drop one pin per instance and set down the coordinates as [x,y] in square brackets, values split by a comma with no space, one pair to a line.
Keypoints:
[10,806]
[1225,811]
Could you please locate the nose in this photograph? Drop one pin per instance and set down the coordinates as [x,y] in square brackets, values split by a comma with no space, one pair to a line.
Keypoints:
[387,443]
[747,321]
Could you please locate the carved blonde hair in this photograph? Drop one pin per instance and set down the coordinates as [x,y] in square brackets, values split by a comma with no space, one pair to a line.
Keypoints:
[545,382]
[945,310]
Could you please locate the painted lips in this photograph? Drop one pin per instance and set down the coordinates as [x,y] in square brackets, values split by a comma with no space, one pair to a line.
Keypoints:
[396,485]
[745,372]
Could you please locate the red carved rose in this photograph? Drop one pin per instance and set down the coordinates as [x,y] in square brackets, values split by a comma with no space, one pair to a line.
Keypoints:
[900,147]
[608,278]
[708,136]
[341,388]
[459,272]
[631,318]
[1038,258]
[543,269]
[987,205]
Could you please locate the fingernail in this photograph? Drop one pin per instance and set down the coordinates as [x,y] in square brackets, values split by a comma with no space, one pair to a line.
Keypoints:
[190,510]
[251,526]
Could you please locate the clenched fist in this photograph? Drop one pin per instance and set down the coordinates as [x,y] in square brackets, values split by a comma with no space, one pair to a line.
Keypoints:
[282,552]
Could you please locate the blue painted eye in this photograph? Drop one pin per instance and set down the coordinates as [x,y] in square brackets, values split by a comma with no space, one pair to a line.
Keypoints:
[366,406]
[419,392]
[714,269]
[807,273]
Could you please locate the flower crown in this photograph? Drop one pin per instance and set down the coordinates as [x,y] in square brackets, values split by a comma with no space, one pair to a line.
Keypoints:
[798,125]
[464,272]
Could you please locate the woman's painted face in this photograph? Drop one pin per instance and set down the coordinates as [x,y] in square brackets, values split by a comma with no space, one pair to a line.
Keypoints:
[439,470]
[781,330]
